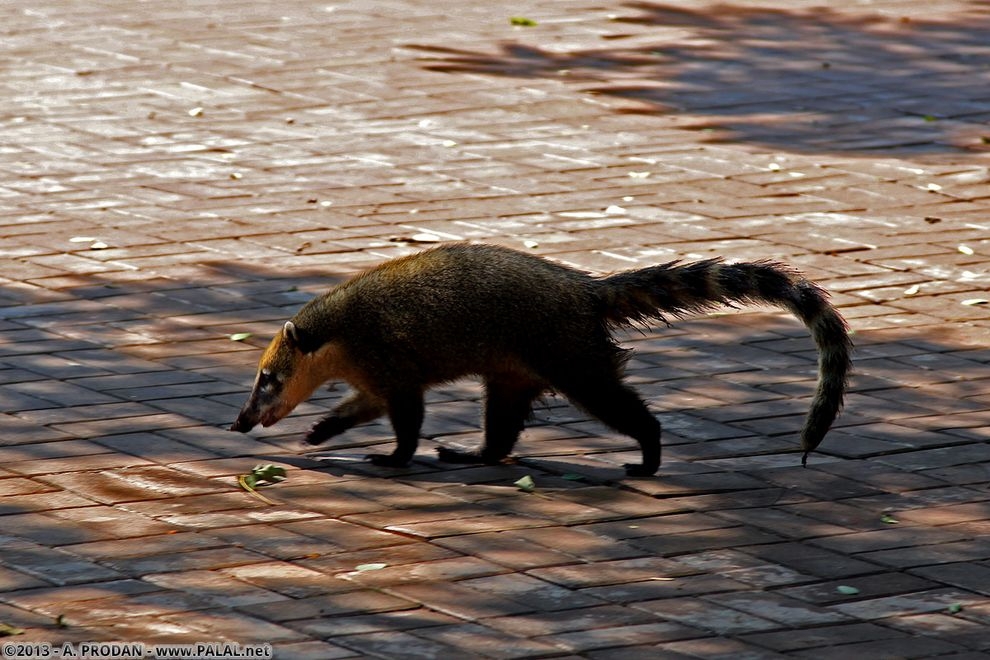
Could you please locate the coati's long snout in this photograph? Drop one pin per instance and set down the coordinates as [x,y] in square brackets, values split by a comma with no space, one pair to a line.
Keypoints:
[246,420]
[525,325]
[287,375]
[260,408]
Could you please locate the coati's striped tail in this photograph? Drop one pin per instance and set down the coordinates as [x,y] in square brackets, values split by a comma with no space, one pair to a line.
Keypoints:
[675,290]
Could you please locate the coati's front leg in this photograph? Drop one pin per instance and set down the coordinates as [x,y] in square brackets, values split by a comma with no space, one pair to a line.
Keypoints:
[405,409]
[359,408]
[507,407]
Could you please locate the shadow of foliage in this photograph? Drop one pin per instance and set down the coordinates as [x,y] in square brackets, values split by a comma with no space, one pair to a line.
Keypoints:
[810,80]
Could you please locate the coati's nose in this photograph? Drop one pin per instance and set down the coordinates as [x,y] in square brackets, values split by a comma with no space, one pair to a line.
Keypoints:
[244,422]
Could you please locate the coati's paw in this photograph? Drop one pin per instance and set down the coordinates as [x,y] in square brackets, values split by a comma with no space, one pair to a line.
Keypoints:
[639,470]
[387,460]
[454,456]
[446,455]
[325,429]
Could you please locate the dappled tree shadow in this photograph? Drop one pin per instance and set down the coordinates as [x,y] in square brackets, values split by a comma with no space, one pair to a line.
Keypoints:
[118,469]
[812,80]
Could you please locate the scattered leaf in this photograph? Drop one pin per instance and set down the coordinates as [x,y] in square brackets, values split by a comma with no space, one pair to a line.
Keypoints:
[525,484]
[571,476]
[846,590]
[774,167]
[888,519]
[7,630]
[370,567]
[933,187]
[663,579]
[61,622]
[268,473]
[955,608]
[82,239]
[98,245]
[614,210]
[976,301]
[522,21]
[639,175]
[965,249]
[932,220]
[236,175]
[985,139]
[531,244]
[196,112]
[247,482]
[240,336]
[930,118]
[911,290]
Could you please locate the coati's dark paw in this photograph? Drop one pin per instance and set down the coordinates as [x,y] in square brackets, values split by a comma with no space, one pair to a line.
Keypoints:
[454,456]
[325,429]
[387,460]
[639,470]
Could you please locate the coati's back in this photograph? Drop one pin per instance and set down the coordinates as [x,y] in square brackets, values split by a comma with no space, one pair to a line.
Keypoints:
[460,309]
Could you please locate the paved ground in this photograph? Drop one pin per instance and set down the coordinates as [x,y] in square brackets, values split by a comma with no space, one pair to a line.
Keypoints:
[174,173]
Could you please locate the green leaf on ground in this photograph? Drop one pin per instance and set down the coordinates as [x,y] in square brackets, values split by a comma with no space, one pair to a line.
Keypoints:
[846,590]
[522,21]
[525,484]
[240,336]
[267,473]
[955,608]
[888,519]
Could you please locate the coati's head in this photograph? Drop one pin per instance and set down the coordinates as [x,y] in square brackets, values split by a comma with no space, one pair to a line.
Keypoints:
[290,370]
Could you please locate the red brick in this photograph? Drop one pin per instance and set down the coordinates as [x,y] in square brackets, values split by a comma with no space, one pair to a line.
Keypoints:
[299,171]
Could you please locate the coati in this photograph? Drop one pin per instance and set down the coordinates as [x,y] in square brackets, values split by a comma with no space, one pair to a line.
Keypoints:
[524,325]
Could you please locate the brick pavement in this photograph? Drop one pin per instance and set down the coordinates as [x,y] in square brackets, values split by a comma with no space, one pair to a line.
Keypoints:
[170,176]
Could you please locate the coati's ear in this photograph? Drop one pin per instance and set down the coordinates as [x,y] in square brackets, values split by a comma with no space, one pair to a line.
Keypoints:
[298,338]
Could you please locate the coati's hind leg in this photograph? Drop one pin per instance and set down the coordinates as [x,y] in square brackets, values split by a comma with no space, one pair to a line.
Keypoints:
[601,392]
[508,403]
[405,410]
[358,408]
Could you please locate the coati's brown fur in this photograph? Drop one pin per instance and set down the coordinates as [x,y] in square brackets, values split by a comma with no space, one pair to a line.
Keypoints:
[525,325]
